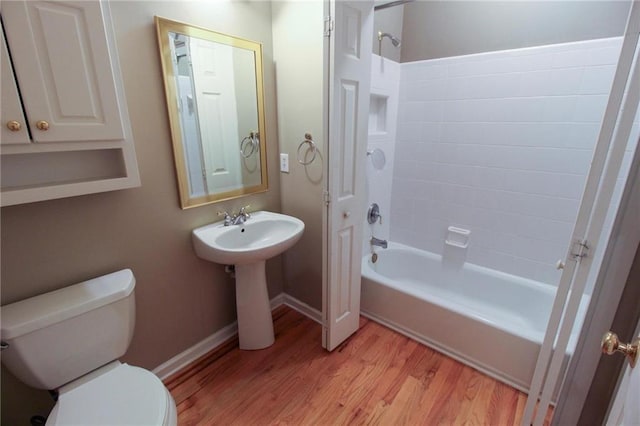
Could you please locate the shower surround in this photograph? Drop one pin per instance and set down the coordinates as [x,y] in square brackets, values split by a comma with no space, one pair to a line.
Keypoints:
[498,143]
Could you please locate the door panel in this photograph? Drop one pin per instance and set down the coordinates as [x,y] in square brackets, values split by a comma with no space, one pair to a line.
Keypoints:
[595,202]
[11,107]
[348,138]
[215,98]
[348,112]
[344,266]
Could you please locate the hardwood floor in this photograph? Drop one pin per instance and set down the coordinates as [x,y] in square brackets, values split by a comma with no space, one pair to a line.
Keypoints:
[376,377]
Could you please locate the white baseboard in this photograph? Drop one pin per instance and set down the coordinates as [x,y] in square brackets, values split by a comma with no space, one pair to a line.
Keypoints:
[184,358]
[277,301]
[306,310]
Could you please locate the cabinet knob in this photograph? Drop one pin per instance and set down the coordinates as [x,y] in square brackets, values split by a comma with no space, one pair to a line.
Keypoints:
[42,125]
[14,125]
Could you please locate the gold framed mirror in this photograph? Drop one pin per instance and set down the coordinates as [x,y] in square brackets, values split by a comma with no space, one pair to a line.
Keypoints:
[215,101]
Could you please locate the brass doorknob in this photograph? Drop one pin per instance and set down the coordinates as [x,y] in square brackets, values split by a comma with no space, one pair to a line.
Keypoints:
[42,125]
[611,344]
[14,125]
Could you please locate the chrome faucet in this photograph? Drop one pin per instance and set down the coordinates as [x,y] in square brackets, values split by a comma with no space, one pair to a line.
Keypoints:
[378,242]
[236,219]
[241,217]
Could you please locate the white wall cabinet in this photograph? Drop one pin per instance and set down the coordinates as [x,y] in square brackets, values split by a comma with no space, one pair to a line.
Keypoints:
[74,135]
[14,130]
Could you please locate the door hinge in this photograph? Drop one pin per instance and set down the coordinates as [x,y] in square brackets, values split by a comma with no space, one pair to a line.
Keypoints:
[579,250]
[328,26]
[326,197]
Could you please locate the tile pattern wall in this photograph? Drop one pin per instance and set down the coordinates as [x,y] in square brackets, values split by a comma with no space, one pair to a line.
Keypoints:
[385,89]
[499,143]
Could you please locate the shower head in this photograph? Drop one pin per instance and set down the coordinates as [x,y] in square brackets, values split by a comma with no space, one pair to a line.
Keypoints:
[394,40]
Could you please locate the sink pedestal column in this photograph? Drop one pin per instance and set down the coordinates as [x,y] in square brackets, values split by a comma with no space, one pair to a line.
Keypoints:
[255,325]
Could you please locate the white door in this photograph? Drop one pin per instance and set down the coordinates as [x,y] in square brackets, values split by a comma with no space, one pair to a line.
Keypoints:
[349,81]
[63,65]
[605,166]
[215,99]
[588,378]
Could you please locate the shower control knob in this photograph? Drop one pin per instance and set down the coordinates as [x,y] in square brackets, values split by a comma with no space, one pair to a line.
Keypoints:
[373,215]
[559,264]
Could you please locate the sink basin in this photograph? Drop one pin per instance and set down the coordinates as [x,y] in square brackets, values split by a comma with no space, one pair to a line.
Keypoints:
[248,246]
[262,236]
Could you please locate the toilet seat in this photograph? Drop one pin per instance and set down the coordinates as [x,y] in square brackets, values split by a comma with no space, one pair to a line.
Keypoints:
[116,394]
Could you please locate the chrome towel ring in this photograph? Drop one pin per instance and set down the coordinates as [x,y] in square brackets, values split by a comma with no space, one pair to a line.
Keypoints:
[308,139]
[249,145]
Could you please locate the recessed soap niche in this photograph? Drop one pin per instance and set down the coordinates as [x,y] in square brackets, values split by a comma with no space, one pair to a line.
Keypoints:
[378,114]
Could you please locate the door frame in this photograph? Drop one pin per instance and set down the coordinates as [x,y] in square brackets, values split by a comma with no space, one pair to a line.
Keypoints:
[589,374]
[614,135]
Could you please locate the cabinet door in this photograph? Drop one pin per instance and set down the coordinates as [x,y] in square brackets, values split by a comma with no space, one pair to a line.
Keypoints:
[11,111]
[64,70]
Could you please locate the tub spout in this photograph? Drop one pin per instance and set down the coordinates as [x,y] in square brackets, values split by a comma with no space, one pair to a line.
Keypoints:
[378,242]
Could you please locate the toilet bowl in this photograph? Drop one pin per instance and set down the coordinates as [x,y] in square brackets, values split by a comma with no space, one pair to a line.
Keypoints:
[117,394]
[70,340]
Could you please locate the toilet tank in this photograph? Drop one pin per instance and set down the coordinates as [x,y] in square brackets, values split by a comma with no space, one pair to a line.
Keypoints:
[59,336]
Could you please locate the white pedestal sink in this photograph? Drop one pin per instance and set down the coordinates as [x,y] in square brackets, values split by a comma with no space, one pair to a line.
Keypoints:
[248,246]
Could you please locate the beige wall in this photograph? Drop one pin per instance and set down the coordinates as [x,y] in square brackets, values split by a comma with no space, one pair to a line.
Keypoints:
[388,20]
[243,63]
[180,298]
[437,29]
[299,79]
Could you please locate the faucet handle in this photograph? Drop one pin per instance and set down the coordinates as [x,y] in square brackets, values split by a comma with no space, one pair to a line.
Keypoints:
[227,217]
[373,215]
[243,211]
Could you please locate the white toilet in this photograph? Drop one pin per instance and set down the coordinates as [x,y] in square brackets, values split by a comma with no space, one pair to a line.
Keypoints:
[70,340]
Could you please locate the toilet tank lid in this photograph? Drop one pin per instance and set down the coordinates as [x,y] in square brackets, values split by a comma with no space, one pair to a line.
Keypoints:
[37,312]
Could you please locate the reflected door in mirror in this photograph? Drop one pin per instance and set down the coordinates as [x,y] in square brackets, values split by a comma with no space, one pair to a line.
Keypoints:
[215,82]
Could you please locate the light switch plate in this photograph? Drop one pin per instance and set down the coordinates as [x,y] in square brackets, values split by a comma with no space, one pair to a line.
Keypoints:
[284,162]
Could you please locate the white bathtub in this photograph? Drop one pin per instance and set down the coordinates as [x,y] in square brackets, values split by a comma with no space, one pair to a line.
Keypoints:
[492,321]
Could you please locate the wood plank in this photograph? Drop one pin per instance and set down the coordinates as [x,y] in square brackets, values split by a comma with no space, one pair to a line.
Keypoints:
[377,377]
[406,401]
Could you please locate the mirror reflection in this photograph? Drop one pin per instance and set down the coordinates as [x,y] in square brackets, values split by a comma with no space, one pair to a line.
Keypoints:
[214,93]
